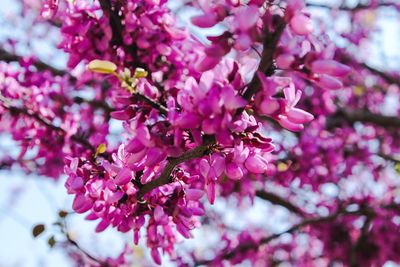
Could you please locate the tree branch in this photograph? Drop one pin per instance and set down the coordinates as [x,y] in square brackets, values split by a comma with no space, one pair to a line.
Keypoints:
[117,30]
[385,76]
[165,176]
[267,60]
[278,200]
[348,59]
[266,66]
[351,117]
[40,65]
[250,246]
[45,122]
[87,254]
[163,110]
[358,7]
[389,158]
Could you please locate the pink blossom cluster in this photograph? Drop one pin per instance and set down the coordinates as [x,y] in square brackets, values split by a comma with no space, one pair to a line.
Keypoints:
[199,121]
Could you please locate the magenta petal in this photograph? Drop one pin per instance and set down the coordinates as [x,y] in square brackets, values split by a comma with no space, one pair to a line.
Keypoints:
[256,164]
[284,61]
[206,20]
[91,217]
[156,256]
[81,204]
[299,116]
[301,24]
[134,146]
[194,194]
[183,230]
[188,120]
[124,176]
[120,115]
[75,182]
[269,107]
[330,67]
[329,82]
[211,192]
[207,63]
[159,216]
[246,17]
[136,236]
[233,171]
[204,167]
[154,156]
[144,136]
[102,226]
[218,164]
[291,126]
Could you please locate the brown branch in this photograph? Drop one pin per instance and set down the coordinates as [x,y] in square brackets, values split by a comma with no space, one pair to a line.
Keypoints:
[342,116]
[266,66]
[45,122]
[163,110]
[385,76]
[358,7]
[87,254]
[117,28]
[348,59]
[389,158]
[165,176]
[278,200]
[267,60]
[94,103]
[70,240]
[40,65]
[115,22]
[254,246]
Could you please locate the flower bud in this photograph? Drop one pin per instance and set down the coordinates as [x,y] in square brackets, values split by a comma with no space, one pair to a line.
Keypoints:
[102,66]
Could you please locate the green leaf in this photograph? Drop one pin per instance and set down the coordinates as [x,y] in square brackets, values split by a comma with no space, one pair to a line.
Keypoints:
[397,168]
[38,230]
[51,241]
[100,149]
[62,214]
[140,73]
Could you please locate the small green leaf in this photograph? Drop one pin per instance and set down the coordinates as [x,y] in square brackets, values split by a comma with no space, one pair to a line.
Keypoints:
[51,241]
[38,229]
[62,214]
[101,149]
[140,73]
[397,168]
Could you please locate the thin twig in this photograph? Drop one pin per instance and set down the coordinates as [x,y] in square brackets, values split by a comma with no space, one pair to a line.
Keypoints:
[358,7]
[45,122]
[40,65]
[278,200]
[266,66]
[165,176]
[249,246]
[347,116]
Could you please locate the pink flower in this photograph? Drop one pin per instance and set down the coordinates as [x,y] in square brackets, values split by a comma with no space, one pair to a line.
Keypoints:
[233,171]
[283,110]
[330,67]
[206,20]
[301,24]
[124,176]
[246,17]
[256,164]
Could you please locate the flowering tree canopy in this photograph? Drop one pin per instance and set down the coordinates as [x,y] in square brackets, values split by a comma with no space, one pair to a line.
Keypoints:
[156,121]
